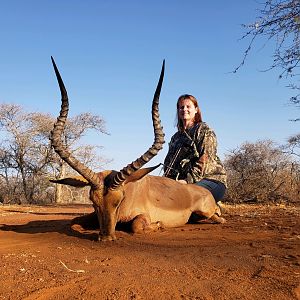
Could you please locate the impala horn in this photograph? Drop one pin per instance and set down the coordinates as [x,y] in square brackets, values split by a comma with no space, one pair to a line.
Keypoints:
[121,176]
[56,137]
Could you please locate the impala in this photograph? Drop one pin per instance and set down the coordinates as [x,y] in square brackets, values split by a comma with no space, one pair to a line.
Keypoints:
[149,202]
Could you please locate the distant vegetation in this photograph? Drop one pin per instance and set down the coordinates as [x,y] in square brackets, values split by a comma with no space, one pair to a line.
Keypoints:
[27,160]
[257,172]
[263,172]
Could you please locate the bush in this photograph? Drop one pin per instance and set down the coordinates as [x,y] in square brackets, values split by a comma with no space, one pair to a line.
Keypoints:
[262,172]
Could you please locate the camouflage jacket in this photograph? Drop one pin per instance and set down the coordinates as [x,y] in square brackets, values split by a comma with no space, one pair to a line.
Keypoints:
[192,156]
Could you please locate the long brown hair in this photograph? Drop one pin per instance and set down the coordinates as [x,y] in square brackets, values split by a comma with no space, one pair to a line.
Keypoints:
[198,117]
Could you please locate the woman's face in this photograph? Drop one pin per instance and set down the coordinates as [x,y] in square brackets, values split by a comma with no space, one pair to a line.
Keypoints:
[187,111]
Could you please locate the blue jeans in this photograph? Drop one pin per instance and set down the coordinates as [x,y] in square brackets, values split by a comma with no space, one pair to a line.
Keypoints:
[217,188]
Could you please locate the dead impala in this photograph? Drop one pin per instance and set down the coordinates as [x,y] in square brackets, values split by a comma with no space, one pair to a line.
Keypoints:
[149,202]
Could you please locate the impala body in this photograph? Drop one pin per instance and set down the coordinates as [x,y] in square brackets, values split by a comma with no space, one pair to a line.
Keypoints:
[150,202]
[163,202]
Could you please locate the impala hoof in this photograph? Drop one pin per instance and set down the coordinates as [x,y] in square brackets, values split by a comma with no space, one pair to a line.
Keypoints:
[222,220]
[106,238]
[218,219]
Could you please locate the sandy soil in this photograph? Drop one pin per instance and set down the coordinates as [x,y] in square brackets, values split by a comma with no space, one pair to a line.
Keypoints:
[255,255]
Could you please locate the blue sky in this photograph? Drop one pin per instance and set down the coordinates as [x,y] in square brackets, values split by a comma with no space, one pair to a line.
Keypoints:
[110,53]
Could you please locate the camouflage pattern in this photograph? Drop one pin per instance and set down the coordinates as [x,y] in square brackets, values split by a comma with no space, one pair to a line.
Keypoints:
[192,156]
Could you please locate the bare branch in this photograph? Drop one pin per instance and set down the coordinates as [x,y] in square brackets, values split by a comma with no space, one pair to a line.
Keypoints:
[279,21]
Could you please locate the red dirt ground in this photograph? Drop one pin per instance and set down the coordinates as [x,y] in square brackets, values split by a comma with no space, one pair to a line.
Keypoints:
[255,255]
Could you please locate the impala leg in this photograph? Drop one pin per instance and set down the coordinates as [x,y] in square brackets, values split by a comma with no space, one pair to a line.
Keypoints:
[212,211]
[89,221]
[199,215]
[142,224]
[217,215]
[217,219]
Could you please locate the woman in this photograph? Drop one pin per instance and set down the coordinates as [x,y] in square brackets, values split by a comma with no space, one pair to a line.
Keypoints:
[192,155]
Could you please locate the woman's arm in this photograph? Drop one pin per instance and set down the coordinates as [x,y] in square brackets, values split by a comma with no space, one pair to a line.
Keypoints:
[207,148]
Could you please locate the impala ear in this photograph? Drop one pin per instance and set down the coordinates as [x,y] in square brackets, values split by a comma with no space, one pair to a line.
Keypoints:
[77,181]
[140,174]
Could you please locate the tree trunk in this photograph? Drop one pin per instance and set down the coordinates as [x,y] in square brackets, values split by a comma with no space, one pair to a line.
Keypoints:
[59,187]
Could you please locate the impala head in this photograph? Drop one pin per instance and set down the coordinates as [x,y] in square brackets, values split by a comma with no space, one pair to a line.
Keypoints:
[107,190]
